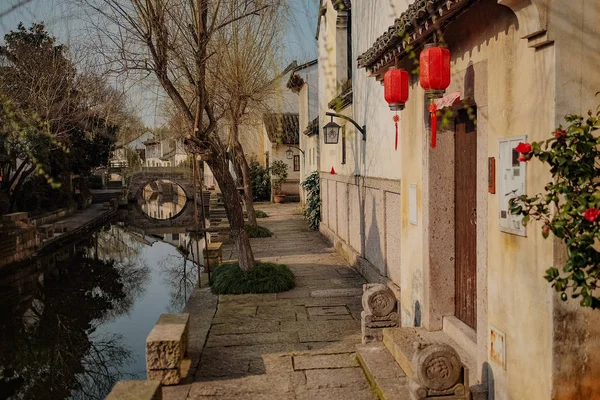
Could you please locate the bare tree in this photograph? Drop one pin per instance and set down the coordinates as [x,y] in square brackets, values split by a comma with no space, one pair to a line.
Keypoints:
[243,78]
[173,40]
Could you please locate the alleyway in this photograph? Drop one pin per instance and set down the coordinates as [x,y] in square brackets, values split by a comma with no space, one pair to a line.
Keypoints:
[293,345]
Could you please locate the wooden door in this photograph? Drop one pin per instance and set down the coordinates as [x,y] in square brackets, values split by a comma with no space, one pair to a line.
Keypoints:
[465,214]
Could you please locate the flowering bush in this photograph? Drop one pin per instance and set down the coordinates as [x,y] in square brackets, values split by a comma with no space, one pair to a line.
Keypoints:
[570,205]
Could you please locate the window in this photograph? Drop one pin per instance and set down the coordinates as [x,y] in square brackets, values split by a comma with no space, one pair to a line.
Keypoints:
[296,163]
[176,236]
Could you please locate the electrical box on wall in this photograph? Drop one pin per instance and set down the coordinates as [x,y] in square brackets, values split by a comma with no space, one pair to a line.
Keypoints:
[511,183]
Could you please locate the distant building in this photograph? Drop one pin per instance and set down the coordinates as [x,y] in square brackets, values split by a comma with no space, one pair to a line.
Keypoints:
[164,152]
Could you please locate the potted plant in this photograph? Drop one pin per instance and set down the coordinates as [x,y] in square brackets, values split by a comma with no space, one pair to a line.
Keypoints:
[279,173]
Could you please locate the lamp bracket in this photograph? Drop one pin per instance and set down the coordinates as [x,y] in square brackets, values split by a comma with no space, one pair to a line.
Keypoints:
[361,129]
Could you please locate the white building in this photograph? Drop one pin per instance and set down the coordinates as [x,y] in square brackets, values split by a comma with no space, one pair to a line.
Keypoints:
[304,82]
[433,222]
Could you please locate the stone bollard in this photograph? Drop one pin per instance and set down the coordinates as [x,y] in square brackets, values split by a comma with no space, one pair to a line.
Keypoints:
[136,390]
[380,310]
[214,253]
[166,347]
[438,373]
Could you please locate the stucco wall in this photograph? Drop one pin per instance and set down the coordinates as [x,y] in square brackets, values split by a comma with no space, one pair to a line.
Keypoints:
[518,90]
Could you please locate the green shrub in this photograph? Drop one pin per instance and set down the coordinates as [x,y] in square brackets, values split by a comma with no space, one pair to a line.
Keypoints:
[312,212]
[263,278]
[260,178]
[261,214]
[94,182]
[279,170]
[258,231]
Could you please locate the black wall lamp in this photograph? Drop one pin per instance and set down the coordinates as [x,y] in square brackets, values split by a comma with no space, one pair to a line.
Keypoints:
[331,131]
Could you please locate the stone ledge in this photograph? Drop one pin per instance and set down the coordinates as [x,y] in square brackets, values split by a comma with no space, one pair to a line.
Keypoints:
[136,390]
[399,342]
[461,333]
[383,373]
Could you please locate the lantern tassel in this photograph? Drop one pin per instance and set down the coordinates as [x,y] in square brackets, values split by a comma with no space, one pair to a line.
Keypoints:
[433,115]
[396,118]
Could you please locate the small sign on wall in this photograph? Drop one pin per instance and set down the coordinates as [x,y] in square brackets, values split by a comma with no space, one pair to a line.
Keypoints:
[498,347]
[412,204]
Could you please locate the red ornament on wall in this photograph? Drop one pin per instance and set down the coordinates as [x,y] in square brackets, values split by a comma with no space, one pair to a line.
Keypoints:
[435,70]
[395,88]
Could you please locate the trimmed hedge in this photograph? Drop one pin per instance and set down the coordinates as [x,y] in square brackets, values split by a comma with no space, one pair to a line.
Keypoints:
[265,277]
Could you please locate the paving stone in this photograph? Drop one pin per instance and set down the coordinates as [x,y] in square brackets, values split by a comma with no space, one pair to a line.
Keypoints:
[136,390]
[323,331]
[246,339]
[277,312]
[327,311]
[233,309]
[247,326]
[336,292]
[247,298]
[301,313]
[335,378]
[179,392]
[319,361]
[335,394]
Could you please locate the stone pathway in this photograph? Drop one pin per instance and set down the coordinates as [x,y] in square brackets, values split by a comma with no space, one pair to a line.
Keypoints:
[294,345]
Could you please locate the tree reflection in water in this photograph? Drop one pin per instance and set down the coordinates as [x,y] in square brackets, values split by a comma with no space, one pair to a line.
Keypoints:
[181,273]
[50,349]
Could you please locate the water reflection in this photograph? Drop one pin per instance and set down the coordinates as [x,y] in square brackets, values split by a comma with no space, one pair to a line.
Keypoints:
[75,322]
[162,199]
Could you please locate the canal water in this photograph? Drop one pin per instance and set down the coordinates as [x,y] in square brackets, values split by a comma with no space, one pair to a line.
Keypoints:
[74,322]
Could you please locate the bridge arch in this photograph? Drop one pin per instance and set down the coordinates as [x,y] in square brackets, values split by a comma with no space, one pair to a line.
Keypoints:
[139,178]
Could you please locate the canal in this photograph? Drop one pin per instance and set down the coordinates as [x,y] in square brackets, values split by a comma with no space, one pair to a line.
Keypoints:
[74,322]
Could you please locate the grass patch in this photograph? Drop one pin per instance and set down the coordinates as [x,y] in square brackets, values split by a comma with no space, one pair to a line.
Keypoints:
[258,231]
[265,277]
[261,214]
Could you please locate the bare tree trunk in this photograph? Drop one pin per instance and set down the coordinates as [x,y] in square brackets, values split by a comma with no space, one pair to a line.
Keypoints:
[232,201]
[245,168]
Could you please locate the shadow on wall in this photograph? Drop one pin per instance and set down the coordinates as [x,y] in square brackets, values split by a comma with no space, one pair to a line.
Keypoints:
[417,320]
[373,241]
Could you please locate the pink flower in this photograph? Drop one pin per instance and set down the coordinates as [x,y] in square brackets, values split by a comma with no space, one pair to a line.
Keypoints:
[523,148]
[591,214]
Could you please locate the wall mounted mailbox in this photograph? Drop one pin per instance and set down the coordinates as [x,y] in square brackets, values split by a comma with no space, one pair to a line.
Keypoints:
[511,183]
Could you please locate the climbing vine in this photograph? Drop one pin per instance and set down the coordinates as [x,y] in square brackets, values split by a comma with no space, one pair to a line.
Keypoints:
[570,205]
[312,211]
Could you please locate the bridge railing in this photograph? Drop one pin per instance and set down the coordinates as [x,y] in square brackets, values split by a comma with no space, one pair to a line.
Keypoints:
[159,170]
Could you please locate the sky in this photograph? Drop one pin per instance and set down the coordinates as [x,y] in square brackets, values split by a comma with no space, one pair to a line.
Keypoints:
[145,97]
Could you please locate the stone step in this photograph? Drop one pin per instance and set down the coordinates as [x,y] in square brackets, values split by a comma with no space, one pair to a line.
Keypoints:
[384,374]
[400,343]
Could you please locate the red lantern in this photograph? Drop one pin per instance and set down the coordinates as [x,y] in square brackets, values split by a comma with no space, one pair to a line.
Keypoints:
[435,79]
[435,70]
[395,88]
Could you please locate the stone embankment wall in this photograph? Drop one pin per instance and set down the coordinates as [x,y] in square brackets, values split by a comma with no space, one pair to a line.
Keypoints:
[18,239]
[52,216]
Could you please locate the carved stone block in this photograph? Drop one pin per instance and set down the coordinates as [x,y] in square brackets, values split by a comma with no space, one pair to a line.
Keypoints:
[439,373]
[379,311]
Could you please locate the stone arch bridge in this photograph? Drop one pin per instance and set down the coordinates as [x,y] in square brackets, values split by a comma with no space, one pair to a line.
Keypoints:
[137,178]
